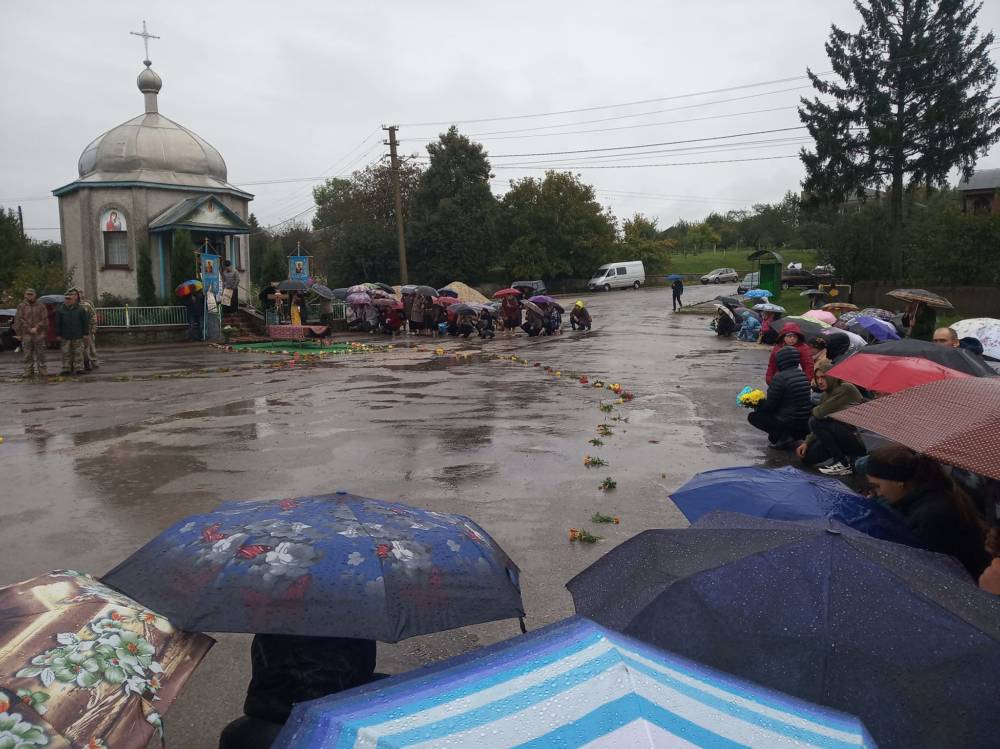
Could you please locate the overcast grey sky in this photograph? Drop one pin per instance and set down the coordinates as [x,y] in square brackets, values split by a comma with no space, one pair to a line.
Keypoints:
[298,89]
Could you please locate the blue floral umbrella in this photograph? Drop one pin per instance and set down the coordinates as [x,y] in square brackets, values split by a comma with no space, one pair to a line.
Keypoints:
[758,294]
[334,565]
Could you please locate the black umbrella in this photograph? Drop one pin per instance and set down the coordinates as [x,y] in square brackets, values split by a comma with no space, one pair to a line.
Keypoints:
[813,292]
[293,285]
[898,636]
[730,301]
[321,290]
[953,358]
[427,291]
[384,287]
[52,299]
[341,293]
[408,288]
[448,292]
[809,328]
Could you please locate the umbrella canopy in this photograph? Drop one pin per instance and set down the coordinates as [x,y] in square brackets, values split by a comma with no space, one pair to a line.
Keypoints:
[726,311]
[809,328]
[358,298]
[876,328]
[839,308]
[571,684]
[448,292]
[189,287]
[506,292]
[428,291]
[953,358]
[533,307]
[542,299]
[984,329]
[813,292]
[334,565]
[822,315]
[383,302]
[293,285]
[788,494]
[360,288]
[674,277]
[382,294]
[758,294]
[921,295]
[82,663]
[52,299]
[464,309]
[384,287]
[890,374]
[743,313]
[857,341]
[952,421]
[900,637]
[408,288]
[768,307]
[729,301]
[322,291]
[445,301]
[341,294]
[881,314]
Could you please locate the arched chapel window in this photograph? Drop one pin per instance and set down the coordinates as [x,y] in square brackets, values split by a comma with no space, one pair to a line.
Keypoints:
[114,230]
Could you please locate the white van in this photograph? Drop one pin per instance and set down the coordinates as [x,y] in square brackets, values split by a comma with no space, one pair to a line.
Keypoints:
[618,276]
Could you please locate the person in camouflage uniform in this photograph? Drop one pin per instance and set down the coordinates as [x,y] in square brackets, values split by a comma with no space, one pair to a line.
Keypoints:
[72,325]
[31,322]
[90,340]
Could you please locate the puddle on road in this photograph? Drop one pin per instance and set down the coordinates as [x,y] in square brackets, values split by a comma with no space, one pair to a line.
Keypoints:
[456,475]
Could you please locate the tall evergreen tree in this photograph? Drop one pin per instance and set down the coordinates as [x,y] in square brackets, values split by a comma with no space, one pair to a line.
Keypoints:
[911,101]
[147,287]
[182,262]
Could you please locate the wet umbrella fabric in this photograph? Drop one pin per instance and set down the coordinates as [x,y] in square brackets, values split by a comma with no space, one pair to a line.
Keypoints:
[334,565]
[293,285]
[878,329]
[52,299]
[986,330]
[571,684]
[890,374]
[788,494]
[464,309]
[921,295]
[726,311]
[384,287]
[358,298]
[857,341]
[821,315]
[674,277]
[445,301]
[953,358]
[808,327]
[506,292]
[900,637]
[951,421]
[542,299]
[758,294]
[82,663]
[881,314]
[383,302]
[533,307]
[813,292]
[839,308]
[341,294]
[323,291]
[729,301]
[447,292]
[189,287]
[428,291]
[768,307]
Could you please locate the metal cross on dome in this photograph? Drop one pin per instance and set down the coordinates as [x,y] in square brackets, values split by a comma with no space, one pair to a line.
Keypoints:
[146,36]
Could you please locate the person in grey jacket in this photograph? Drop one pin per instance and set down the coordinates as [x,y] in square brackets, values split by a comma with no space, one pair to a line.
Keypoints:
[784,413]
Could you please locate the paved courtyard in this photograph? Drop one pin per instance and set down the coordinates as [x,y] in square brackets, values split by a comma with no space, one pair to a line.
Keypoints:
[94,468]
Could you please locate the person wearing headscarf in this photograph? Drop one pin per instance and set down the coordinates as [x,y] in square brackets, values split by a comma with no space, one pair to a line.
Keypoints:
[580,318]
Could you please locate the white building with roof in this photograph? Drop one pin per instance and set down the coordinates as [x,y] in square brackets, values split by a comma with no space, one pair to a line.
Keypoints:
[137,183]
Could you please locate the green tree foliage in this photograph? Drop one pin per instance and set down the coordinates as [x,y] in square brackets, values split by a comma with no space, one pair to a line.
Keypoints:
[182,259]
[147,287]
[356,219]
[554,227]
[641,241]
[701,237]
[452,229]
[911,101]
[26,263]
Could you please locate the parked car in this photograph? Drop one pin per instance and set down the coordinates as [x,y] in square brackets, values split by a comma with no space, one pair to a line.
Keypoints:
[721,275]
[7,342]
[821,270]
[631,273]
[803,278]
[750,281]
[530,288]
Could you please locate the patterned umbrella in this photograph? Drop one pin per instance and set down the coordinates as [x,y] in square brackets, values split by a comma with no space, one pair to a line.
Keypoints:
[445,301]
[839,308]
[768,307]
[984,329]
[82,665]
[953,421]
[822,315]
[571,684]
[334,565]
[358,298]
[758,294]
[881,314]
[921,295]
[189,287]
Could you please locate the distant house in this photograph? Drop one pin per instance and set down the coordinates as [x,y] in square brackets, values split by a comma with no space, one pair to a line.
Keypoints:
[981,192]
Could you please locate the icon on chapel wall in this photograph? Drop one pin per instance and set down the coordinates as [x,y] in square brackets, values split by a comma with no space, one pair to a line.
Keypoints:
[113,220]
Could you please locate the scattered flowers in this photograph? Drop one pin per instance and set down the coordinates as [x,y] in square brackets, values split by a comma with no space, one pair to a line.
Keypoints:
[604,430]
[607,407]
[583,536]
[608,484]
[750,397]
[584,380]
[596,442]
[598,517]
[592,462]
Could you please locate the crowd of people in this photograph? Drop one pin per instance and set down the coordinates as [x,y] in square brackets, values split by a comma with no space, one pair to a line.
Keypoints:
[75,326]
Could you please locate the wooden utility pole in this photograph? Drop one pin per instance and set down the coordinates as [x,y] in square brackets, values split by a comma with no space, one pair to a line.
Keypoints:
[20,221]
[400,232]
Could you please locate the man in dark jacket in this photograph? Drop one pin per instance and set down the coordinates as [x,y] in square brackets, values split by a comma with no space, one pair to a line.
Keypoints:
[832,445]
[678,290]
[784,413]
[72,325]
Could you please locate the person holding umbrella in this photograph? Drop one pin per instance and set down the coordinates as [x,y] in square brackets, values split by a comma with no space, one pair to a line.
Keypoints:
[677,290]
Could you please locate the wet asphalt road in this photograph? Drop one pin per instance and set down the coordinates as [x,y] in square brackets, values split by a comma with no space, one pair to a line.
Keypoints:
[94,468]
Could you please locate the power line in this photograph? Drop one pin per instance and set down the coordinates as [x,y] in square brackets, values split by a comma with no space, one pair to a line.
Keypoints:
[640,166]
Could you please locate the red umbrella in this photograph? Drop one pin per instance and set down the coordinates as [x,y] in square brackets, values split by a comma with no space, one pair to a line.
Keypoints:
[445,301]
[506,292]
[953,421]
[890,374]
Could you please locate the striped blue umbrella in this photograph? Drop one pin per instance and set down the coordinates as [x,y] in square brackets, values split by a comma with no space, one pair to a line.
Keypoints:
[571,684]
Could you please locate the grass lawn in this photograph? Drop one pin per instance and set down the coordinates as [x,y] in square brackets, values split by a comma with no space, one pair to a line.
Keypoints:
[702,262]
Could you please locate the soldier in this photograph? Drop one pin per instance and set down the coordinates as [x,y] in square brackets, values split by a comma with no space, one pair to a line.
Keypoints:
[30,325]
[90,340]
[72,325]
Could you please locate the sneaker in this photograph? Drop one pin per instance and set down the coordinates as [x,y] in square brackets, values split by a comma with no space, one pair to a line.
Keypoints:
[837,469]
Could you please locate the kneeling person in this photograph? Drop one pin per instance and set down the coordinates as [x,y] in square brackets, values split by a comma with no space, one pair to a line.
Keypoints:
[832,442]
[784,413]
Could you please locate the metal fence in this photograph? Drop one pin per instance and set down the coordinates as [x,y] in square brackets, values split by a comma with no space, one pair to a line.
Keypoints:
[140,317]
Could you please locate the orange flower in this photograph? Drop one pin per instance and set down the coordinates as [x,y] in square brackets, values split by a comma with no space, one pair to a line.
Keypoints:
[574,534]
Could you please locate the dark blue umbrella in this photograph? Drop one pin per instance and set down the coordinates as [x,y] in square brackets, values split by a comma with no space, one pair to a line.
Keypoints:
[448,292]
[900,637]
[788,494]
[878,329]
[674,277]
[334,565]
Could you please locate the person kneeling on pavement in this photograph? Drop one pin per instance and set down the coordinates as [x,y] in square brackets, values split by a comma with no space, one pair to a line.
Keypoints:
[579,318]
[831,445]
[784,413]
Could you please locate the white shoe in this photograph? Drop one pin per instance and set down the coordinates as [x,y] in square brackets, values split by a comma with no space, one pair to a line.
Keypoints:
[837,469]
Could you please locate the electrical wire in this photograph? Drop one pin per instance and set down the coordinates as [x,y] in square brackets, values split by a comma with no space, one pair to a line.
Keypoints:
[640,166]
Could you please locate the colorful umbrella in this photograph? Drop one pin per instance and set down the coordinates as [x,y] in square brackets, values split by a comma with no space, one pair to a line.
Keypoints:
[383,302]
[900,637]
[445,301]
[821,315]
[84,664]
[359,288]
[506,292]
[839,308]
[358,298]
[881,314]
[890,374]
[571,684]
[953,358]
[334,565]
[921,295]
[878,329]
[542,299]
[768,307]
[758,294]
[189,287]
[986,330]
[953,421]
[788,494]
